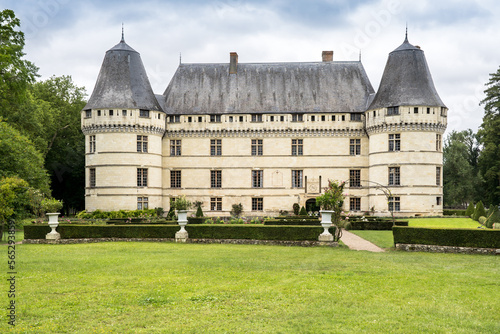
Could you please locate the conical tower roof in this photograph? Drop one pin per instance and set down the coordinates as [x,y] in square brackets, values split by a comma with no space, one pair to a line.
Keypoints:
[406,81]
[122,82]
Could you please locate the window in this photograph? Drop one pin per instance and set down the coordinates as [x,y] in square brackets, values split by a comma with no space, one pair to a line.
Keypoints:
[313,118]
[271,118]
[175,119]
[92,177]
[415,110]
[438,176]
[124,113]
[343,117]
[215,146]
[143,113]
[256,146]
[98,113]
[374,113]
[215,178]
[200,119]
[394,204]
[216,203]
[393,111]
[282,118]
[88,113]
[175,179]
[257,204]
[297,178]
[111,113]
[323,118]
[394,142]
[428,110]
[142,203]
[297,117]
[241,118]
[142,144]
[355,146]
[355,178]
[394,177]
[297,146]
[333,118]
[230,119]
[443,111]
[257,178]
[356,117]
[215,118]
[190,119]
[438,200]
[142,177]
[355,204]
[256,118]
[92,144]
[438,142]
[175,147]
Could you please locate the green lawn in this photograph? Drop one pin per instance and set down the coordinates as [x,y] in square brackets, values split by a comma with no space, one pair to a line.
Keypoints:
[187,288]
[385,239]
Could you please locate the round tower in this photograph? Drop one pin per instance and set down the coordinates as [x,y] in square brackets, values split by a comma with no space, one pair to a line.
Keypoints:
[405,123]
[123,123]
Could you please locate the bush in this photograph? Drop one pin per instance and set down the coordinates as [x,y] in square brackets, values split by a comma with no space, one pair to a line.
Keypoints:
[199,212]
[196,220]
[479,211]
[377,225]
[253,232]
[470,210]
[482,220]
[455,212]
[293,221]
[236,210]
[303,212]
[296,209]
[482,238]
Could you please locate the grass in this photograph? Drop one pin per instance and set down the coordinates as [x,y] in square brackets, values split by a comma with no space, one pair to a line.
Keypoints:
[188,288]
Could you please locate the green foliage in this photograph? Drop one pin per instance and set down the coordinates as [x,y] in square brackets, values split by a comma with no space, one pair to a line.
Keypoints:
[303,212]
[236,210]
[255,232]
[454,212]
[333,199]
[196,220]
[51,205]
[492,217]
[199,211]
[182,203]
[482,220]
[380,225]
[17,199]
[296,209]
[470,210]
[18,157]
[460,173]
[294,220]
[482,238]
[479,211]
[99,214]
[159,212]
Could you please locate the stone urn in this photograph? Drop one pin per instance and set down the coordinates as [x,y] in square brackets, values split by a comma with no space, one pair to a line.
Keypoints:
[182,234]
[53,223]
[326,223]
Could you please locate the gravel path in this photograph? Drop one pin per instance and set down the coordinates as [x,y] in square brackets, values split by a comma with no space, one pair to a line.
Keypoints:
[352,241]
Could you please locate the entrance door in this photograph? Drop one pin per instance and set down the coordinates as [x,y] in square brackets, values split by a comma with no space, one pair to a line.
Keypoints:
[311,205]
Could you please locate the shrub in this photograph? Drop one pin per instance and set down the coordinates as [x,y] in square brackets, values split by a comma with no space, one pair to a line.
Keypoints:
[303,212]
[50,205]
[482,238]
[236,210]
[482,220]
[455,212]
[470,210]
[159,212]
[479,211]
[199,212]
[182,203]
[196,220]
[296,209]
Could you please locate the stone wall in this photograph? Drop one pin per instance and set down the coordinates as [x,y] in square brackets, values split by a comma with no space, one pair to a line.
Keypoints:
[447,249]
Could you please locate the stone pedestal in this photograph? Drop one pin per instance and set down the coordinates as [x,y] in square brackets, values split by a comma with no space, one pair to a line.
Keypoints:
[53,223]
[325,237]
[181,236]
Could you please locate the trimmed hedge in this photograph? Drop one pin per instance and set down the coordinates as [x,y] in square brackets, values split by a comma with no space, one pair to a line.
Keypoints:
[196,220]
[454,213]
[481,238]
[137,221]
[256,232]
[378,225]
[293,221]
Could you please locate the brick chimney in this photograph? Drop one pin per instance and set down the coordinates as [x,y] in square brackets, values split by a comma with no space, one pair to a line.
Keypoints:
[327,55]
[233,62]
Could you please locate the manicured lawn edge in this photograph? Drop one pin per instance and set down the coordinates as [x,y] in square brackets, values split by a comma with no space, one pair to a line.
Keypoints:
[479,238]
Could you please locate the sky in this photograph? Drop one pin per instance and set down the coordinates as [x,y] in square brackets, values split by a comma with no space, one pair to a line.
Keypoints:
[460,38]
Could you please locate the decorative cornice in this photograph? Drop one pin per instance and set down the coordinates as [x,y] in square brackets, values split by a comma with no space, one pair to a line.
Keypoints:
[91,129]
[267,133]
[433,127]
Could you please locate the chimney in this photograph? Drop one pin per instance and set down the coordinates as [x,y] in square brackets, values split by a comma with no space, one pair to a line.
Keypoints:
[327,55]
[233,62]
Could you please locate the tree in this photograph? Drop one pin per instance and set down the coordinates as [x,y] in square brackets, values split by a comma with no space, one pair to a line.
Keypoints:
[236,210]
[16,73]
[17,199]
[18,157]
[489,137]
[460,177]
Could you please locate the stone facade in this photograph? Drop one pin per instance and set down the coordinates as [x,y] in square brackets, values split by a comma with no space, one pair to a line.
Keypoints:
[265,135]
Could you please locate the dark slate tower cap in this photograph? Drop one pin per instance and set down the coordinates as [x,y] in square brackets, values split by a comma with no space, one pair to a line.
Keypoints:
[122,82]
[406,81]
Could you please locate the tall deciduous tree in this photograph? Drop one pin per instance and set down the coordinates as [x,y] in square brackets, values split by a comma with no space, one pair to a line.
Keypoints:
[489,136]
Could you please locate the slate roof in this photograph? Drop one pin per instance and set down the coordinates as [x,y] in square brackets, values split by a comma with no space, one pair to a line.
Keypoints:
[406,80]
[312,87]
[122,82]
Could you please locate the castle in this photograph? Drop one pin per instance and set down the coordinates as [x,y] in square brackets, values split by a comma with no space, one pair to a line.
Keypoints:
[266,135]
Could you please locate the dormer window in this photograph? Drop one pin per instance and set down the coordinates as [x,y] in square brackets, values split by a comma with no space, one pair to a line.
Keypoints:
[355,117]
[297,118]
[111,113]
[214,118]
[393,111]
[124,112]
[143,113]
[98,113]
[256,118]
[88,113]
[175,119]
